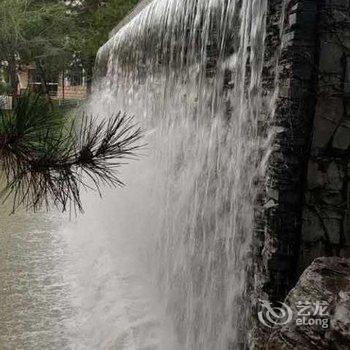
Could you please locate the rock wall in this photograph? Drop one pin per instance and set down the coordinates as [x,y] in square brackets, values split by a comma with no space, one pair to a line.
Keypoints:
[326,212]
[326,282]
[307,210]
[295,108]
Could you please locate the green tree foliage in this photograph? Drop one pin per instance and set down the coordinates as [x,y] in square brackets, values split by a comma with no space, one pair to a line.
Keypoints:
[35,31]
[56,34]
[95,19]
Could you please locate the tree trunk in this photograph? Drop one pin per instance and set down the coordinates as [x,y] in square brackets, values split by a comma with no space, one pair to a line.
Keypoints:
[13,79]
[43,80]
[89,75]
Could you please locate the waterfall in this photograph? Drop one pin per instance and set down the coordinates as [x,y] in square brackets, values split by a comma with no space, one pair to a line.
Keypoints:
[190,71]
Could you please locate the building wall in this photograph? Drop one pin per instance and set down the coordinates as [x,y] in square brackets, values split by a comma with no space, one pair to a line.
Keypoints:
[23,77]
[66,92]
[71,92]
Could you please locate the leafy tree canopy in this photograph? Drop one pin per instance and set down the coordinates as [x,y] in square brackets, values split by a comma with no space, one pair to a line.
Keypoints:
[52,32]
[32,31]
[95,20]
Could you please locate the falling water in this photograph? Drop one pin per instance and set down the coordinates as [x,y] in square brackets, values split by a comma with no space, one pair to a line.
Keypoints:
[191,73]
[164,263]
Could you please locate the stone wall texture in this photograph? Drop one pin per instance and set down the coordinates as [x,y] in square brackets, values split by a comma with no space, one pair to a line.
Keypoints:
[307,205]
[326,212]
[293,119]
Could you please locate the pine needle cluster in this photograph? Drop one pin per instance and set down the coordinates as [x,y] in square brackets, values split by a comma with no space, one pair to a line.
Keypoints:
[45,160]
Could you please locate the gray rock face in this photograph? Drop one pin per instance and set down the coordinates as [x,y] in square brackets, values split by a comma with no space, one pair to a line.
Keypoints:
[326,280]
[342,136]
[329,112]
[325,222]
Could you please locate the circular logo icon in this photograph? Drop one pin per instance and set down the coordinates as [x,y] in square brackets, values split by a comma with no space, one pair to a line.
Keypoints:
[273,316]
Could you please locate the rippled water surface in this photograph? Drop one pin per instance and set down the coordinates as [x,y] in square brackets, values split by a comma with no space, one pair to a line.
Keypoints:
[34,294]
[78,283]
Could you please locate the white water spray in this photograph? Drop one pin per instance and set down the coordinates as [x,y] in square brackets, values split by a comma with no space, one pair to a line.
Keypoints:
[162,264]
[191,73]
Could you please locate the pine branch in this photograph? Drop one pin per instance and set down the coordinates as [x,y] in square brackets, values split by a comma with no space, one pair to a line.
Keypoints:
[48,164]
